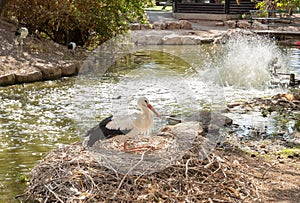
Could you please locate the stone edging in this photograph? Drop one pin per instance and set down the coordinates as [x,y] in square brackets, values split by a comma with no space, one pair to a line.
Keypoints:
[41,72]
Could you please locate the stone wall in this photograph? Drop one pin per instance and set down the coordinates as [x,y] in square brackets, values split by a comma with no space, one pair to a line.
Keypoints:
[40,72]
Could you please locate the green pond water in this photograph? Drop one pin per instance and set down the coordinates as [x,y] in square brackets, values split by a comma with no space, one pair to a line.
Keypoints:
[36,118]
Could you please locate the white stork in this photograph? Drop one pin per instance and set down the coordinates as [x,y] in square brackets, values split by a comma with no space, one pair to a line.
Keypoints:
[126,125]
[72,47]
[20,35]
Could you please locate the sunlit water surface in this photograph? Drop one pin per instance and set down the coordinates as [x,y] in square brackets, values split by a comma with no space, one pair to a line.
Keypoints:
[178,80]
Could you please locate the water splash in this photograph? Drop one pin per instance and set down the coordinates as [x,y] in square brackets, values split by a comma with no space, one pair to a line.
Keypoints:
[244,62]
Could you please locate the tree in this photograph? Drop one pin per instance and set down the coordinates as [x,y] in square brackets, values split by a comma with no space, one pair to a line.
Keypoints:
[2,5]
[287,5]
[85,22]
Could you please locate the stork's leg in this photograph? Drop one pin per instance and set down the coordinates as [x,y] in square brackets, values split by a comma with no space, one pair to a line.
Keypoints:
[133,133]
[136,149]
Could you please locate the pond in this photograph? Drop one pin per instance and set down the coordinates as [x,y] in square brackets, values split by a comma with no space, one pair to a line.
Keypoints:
[177,80]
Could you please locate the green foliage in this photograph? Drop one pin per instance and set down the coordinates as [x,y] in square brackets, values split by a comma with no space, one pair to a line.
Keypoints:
[22,178]
[262,6]
[287,5]
[83,21]
[295,151]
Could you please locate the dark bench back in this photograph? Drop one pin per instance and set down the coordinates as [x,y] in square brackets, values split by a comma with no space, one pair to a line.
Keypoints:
[230,7]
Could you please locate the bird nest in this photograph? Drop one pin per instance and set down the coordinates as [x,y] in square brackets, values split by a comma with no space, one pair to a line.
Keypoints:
[74,174]
[151,153]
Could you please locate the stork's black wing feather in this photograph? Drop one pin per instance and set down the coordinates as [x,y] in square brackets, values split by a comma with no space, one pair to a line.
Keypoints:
[18,32]
[100,132]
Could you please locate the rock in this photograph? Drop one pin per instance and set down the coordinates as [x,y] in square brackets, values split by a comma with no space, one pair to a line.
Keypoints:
[70,69]
[146,26]
[49,72]
[185,129]
[8,79]
[135,26]
[206,40]
[147,40]
[231,23]
[186,25]
[211,121]
[190,40]
[153,39]
[220,24]
[258,26]
[212,128]
[172,39]
[172,25]
[243,24]
[32,76]
[159,25]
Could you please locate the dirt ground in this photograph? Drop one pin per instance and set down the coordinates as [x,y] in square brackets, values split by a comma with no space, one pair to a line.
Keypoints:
[277,178]
[36,50]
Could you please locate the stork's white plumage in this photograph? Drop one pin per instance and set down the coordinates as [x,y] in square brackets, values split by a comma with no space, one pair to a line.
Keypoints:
[72,45]
[127,125]
[20,35]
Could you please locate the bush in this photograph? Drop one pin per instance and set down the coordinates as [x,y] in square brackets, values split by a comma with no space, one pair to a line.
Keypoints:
[286,5]
[86,22]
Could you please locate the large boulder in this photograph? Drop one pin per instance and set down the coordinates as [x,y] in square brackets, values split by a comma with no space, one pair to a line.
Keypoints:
[190,40]
[7,79]
[70,69]
[27,77]
[146,26]
[211,121]
[172,39]
[231,23]
[186,25]
[49,71]
[135,26]
[173,25]
[147,39]
[243,24]
[158,25]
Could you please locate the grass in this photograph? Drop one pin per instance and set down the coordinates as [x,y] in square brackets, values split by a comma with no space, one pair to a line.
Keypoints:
[289,152]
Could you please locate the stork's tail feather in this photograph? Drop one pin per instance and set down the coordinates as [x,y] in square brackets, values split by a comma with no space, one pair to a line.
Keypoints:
[101,132]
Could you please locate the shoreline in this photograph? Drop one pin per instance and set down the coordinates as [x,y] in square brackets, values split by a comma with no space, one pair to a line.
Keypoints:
[43,60]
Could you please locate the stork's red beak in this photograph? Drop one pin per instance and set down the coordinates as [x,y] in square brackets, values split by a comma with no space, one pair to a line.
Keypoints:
[153,110]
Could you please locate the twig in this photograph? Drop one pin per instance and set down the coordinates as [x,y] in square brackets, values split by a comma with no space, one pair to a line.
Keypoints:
[56,196]
[212,174]
[187,168]
[142,158]
[266,170]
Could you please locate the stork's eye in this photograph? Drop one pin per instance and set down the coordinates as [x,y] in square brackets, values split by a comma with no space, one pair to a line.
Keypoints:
[146,101]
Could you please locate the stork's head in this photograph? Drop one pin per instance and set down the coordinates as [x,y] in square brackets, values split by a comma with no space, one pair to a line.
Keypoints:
[143,103]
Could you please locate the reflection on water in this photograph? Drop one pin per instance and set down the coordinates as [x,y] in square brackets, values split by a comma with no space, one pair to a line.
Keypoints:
[33,120]
[36,118]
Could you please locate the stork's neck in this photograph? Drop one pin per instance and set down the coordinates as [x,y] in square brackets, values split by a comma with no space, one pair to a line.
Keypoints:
[144,120]
[146,112]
